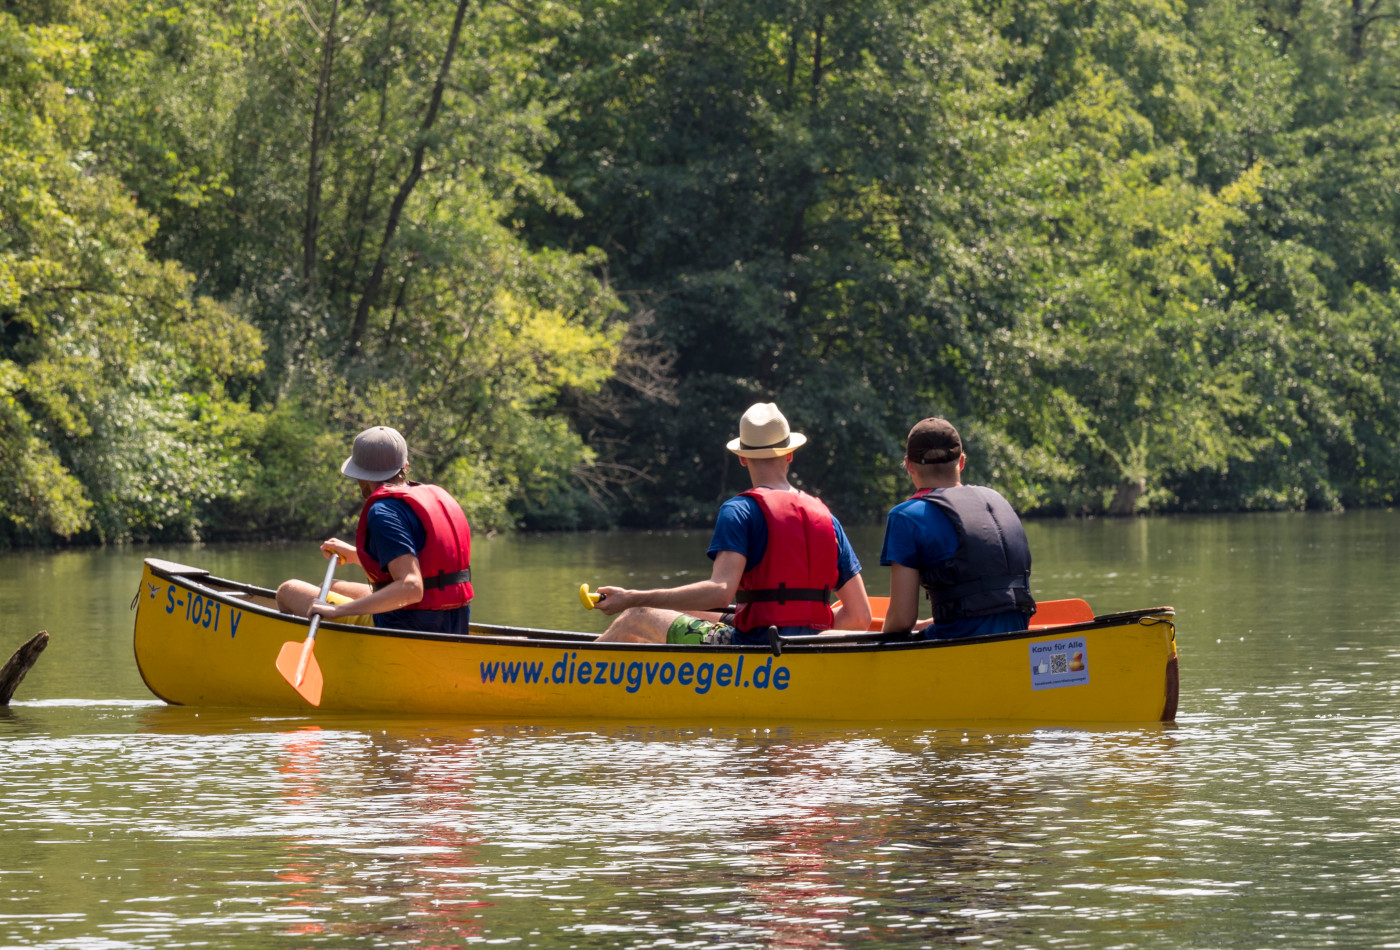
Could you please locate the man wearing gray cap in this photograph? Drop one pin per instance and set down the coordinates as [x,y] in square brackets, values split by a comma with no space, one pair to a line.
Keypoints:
[413,542]
[963,543]
[777,551]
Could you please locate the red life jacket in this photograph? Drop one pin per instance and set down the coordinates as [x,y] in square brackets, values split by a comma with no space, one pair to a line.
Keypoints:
[447,552]
[791,586]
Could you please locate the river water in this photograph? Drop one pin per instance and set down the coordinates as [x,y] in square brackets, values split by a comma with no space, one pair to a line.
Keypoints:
[1267,816]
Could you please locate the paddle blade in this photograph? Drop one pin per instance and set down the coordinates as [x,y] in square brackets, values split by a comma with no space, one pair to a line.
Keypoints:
[288,661]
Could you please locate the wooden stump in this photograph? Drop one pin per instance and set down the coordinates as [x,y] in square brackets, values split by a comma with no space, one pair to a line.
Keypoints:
[12,673]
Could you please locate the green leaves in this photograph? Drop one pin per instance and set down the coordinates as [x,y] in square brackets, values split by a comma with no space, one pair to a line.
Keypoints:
[1142,251]
[1109,240]
[97,337]
[342,181]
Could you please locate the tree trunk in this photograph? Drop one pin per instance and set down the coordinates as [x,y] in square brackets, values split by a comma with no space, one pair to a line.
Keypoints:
[360,216]
[320,126]
[1362,16]
[793,297]
[1125,498]
[791,67]
[1358,30]
[415,172]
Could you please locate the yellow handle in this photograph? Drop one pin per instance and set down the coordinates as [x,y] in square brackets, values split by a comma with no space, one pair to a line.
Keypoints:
[588,599]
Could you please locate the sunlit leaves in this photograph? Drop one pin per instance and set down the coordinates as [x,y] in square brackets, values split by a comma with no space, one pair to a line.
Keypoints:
[97,337]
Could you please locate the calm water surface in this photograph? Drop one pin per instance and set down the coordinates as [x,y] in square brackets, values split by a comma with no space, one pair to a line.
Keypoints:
[1266,817]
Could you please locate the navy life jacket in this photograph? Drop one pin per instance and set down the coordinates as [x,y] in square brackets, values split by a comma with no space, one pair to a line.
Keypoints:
[991,571]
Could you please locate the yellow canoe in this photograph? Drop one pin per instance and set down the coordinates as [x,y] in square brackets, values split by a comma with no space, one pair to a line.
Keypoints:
[204,641]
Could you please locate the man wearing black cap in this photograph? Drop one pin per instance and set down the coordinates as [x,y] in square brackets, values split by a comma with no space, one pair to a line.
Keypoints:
[962,543]
[413,542]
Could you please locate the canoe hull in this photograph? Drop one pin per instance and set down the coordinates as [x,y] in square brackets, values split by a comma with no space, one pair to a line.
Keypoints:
[198,643]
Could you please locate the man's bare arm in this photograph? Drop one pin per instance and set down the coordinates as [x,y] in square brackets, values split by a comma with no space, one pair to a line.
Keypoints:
[854,612]
[710,594]
[903,612]
[405,590]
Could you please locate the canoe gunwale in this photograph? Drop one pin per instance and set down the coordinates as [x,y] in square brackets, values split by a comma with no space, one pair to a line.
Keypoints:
[1143,615]
[227,592]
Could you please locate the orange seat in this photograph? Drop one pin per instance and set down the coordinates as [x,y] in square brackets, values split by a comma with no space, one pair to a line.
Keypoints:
[1048,613]
[1053,613]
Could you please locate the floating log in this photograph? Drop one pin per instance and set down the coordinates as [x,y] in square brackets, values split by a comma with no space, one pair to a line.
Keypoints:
[12,673]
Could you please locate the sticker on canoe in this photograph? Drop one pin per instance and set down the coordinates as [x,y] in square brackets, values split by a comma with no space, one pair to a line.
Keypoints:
[633,676]
[1056,663]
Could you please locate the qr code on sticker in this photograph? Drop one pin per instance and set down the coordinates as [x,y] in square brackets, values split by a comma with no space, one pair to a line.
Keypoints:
[1059,663]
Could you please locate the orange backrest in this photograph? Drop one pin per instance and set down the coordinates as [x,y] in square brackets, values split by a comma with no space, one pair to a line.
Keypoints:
[1053,613]
[1048,613]
[878,607]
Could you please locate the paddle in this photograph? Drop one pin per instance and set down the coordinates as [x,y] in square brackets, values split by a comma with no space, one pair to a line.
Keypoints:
[296,663]
[589,599]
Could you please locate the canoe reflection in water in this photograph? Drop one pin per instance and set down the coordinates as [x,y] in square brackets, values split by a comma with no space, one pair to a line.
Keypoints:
[300,775]
[364,857]
[443,833]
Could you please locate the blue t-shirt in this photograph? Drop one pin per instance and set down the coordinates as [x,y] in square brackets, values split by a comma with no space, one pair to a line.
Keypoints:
[393,530]
[741,527]
[919,535]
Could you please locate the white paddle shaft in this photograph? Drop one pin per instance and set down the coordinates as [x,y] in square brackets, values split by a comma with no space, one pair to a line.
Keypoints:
[316,620]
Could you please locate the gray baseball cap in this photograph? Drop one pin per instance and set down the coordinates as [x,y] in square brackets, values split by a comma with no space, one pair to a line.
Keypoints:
[378,455]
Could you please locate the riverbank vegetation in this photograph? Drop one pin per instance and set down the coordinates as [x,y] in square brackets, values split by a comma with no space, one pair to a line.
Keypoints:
[1143,252]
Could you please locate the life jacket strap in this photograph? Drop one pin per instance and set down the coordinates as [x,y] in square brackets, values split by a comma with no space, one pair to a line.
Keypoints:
[1002,582]
[782,594]
[447,580]
[438,580]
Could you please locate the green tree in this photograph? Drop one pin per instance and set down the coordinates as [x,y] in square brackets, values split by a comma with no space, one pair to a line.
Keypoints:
[755,171]
[1129,246]
[346,176]
[103,348]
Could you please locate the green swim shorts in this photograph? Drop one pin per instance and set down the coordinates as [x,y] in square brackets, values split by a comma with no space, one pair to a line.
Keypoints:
[688,629]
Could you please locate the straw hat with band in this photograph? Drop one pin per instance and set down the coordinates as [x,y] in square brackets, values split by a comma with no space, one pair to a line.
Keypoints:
[379,453]
[764,434]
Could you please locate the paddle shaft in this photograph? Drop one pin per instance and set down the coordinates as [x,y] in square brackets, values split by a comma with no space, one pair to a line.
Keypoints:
[316,620]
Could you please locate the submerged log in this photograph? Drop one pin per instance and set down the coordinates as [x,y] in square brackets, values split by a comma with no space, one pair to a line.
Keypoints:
[12,673]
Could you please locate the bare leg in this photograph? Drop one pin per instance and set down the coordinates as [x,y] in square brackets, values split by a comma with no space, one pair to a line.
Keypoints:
[640,625]
[296,597]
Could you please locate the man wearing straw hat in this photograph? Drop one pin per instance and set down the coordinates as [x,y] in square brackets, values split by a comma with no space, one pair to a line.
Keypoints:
[778,552]
[413,542]
[963,543]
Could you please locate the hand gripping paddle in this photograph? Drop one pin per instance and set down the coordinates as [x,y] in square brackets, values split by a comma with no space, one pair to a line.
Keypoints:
[296,662]
[587,597]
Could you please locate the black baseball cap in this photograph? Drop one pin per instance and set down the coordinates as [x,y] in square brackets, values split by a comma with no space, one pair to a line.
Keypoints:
[933,442]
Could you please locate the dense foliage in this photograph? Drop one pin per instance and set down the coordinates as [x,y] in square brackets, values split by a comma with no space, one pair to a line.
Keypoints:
[1143,252]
